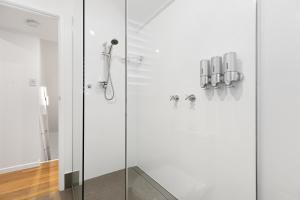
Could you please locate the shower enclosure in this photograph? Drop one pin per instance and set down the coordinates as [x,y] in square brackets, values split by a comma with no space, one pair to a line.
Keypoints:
[149,99]
[169,100]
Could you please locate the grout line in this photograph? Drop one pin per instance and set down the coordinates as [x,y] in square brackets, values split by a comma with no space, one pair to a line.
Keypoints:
[154,184]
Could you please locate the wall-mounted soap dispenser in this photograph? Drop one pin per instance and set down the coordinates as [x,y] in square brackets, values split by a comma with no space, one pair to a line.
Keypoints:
[216,72]
[205,74]
[231,74]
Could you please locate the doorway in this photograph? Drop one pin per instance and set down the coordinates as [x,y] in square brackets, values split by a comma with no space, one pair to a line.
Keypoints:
[29,105]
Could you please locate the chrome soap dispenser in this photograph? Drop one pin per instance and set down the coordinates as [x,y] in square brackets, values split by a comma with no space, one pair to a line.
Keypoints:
[231,74]
[205,74]
[216,72]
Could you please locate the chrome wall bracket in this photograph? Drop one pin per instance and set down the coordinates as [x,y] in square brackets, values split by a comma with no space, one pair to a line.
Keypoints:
[231,78]
[103,84]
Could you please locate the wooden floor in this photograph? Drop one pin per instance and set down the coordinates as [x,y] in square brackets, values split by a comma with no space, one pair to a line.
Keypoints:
[30,183]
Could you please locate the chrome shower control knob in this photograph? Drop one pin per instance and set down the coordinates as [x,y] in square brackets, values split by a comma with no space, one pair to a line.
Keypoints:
[174,98]
[192,98]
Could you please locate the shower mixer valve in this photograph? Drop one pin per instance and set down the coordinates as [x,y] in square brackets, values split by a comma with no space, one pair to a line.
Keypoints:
[192,98]
[103,84]
[174,98]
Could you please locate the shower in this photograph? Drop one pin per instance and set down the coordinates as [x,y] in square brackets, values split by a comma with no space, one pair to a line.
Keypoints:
[108,83]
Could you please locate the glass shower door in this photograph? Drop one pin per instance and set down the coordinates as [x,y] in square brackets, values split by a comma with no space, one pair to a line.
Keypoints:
[170,101]
[104,100]
[191,76]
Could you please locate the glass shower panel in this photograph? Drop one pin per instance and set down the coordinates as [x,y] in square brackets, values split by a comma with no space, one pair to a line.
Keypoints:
[77,146]
[104,104]
[191,137]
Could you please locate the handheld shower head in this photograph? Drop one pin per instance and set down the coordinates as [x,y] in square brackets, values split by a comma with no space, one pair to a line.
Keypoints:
[113,42]
[108,83]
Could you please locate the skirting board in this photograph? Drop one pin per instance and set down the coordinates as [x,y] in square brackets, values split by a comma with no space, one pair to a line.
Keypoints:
[19,167]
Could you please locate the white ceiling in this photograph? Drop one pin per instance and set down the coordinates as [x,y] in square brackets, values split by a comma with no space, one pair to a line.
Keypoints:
[142,11]
[14,19]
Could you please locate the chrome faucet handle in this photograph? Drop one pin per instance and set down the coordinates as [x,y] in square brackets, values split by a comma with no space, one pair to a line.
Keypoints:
[174,98]
[191,98]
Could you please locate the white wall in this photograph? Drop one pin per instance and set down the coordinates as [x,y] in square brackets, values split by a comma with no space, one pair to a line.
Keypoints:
[279,149]
[20,137]
[139,75]
[63,9]
[206,150]
[49,67]
[49,79]
[104,120]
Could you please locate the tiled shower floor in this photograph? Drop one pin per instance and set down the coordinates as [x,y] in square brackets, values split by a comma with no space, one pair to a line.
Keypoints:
[112,187]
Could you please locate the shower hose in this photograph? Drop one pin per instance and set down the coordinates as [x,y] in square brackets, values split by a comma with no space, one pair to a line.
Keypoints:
[109,81]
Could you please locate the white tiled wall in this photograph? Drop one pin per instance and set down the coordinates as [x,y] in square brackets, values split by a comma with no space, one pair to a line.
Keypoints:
[206,150]
[104,120]
[200,151]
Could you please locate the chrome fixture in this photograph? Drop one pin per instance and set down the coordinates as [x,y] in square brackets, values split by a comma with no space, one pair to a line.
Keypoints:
[135,59]
[231,74]
[216,72]
[107,53]
[205,74]
[192,98]
[174,98]
[89,86]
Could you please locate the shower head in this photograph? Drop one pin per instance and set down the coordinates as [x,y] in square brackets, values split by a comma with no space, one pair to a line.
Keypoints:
[114,42]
